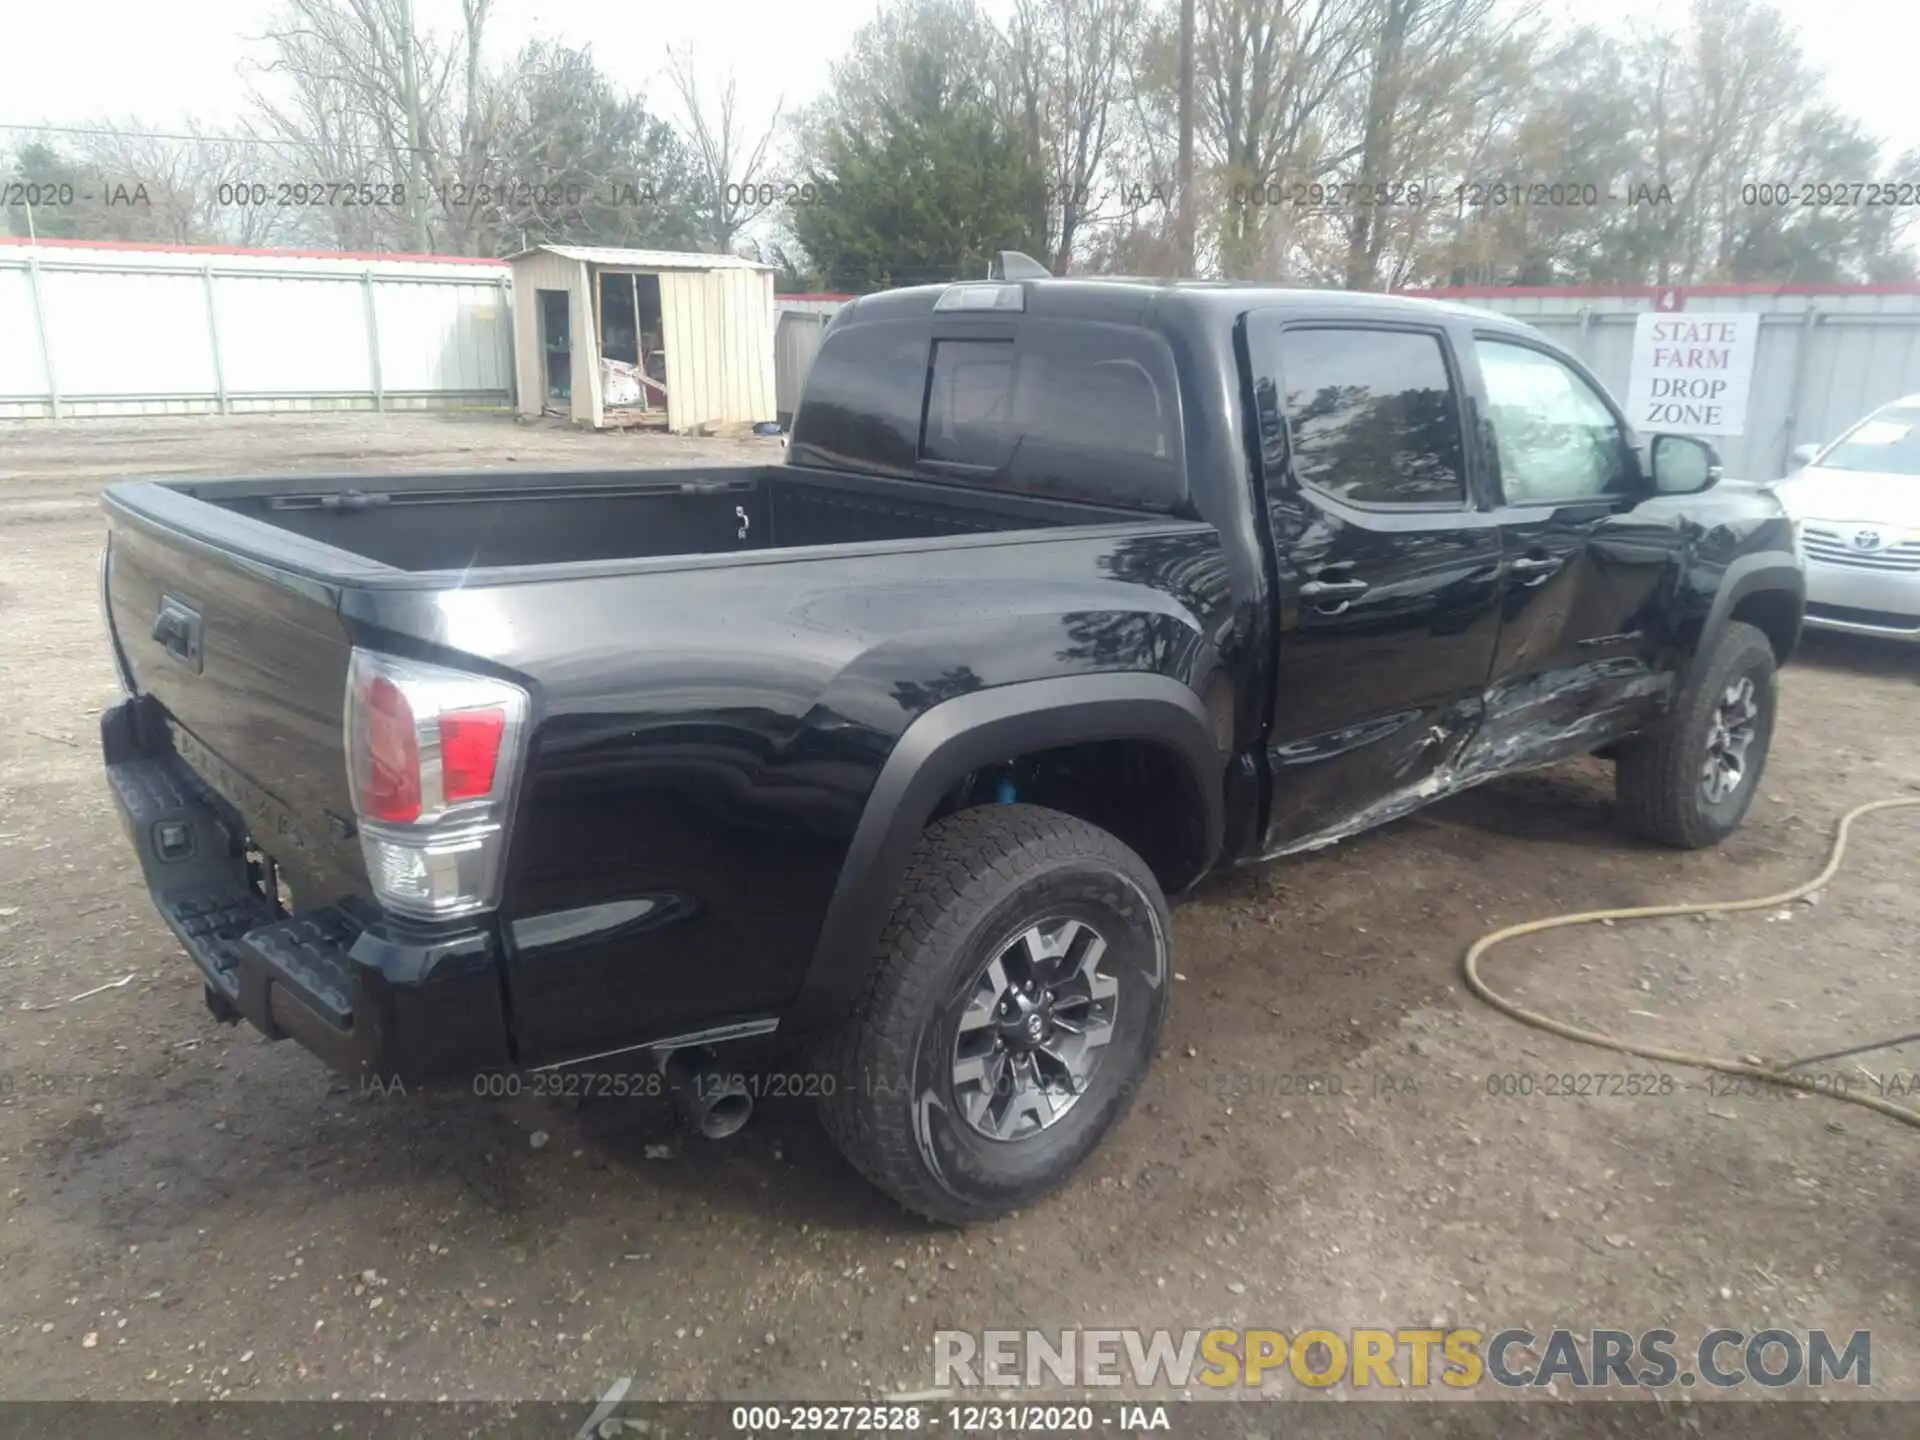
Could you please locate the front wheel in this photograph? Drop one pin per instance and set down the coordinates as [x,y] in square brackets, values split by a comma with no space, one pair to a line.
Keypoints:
[1017,998]
[1690,783]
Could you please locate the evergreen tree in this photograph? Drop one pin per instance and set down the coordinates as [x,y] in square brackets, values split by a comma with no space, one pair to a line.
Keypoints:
[936,184]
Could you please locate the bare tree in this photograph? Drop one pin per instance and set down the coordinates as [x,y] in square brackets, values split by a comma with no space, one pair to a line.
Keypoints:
[571,156]
[731,165]
[1750,84]
[458,161]
[1068,59]
[335,89]
[1432,66]
[1669,123]
[1270,72]
[190,191]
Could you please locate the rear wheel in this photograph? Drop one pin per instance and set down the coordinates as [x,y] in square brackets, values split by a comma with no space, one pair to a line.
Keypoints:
[1689,784]
[1015,1004]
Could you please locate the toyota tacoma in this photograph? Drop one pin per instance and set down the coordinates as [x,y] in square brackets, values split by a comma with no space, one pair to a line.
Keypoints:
[1066,593]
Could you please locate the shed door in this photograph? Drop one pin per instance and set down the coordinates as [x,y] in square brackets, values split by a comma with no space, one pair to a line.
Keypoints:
[690,316]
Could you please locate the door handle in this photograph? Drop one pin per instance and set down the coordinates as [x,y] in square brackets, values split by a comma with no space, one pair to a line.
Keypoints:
[1331,597]
[1536,568]
[1329,589]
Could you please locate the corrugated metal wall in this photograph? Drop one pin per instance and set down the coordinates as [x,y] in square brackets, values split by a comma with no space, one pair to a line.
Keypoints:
[746,320]
[690,331]
[796,340]
[718,328]
[90,331]
[1825,357]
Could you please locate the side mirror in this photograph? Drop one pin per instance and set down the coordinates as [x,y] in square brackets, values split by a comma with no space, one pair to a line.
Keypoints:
[1683,465]
[1802,455]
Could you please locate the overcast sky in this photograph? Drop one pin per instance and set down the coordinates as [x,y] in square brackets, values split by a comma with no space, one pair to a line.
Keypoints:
[164,62]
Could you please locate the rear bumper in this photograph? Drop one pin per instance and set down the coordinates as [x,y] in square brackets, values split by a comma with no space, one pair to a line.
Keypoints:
[374,999]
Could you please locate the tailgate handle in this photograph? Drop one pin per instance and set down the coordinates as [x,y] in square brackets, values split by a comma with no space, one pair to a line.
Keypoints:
[177,628]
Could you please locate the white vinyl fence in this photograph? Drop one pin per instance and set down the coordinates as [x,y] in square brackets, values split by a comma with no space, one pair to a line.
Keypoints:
[90,331]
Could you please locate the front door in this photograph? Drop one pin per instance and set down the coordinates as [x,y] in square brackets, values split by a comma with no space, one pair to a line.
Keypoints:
[1388,568]
[1593,561]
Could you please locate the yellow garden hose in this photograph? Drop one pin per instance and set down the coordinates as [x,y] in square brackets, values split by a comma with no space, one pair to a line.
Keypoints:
[1780,1075]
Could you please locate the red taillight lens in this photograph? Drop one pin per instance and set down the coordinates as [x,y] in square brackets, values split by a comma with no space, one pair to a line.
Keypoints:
[433,755]
[390,784]
[469,752]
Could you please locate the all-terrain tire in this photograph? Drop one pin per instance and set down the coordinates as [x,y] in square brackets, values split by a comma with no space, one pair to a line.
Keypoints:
[1659,784]
[977,882]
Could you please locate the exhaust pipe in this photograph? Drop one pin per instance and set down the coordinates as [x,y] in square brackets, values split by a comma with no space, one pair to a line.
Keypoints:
[711,1100]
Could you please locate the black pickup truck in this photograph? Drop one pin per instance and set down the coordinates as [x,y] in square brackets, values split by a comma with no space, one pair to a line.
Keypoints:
[1068,593]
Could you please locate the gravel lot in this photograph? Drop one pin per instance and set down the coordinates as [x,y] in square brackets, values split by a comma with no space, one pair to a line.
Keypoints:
[187,1211]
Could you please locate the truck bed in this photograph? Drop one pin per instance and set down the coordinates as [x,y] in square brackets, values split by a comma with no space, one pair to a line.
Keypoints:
[236,603]
[464,522]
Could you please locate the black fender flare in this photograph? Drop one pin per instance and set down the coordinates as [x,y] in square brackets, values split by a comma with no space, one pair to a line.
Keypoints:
[960,735]
[1763,570]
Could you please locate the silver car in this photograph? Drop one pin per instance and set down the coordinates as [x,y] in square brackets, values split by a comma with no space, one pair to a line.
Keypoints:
[1857,502]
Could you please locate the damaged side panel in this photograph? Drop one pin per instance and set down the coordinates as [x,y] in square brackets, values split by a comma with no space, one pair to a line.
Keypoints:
[1536,720]
[1526,724]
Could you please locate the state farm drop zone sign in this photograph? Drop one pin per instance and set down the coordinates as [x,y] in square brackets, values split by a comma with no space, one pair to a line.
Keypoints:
[1691,373]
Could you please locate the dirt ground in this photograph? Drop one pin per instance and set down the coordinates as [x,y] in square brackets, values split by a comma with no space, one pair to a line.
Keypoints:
[187,1211]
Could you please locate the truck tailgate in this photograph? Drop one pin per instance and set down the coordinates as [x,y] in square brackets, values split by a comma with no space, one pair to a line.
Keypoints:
[250,663]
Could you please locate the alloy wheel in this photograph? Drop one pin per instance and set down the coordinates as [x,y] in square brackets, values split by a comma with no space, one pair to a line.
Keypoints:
[1036,1022]
[1730,734]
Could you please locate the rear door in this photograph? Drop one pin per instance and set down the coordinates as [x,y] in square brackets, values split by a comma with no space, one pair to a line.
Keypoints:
[1388,567]
[1593,561]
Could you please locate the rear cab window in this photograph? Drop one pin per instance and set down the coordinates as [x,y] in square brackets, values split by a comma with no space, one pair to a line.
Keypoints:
[861,406]
[1065,409]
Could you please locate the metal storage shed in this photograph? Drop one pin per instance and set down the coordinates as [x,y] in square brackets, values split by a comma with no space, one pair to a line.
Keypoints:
[649,337]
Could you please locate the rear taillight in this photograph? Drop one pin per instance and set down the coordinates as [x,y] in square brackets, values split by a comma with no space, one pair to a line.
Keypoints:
[389,786]
[432,757]
[470,751]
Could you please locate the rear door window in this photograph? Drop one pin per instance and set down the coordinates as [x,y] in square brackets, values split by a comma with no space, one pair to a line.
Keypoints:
[1374,416]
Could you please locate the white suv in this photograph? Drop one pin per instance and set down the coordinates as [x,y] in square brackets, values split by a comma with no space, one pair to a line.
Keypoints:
[1858,504]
